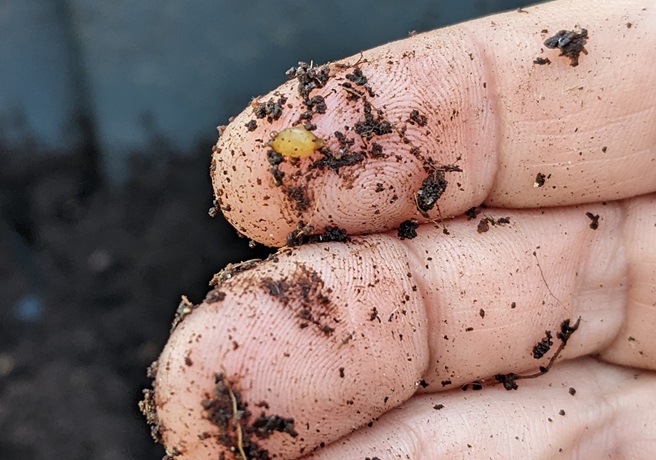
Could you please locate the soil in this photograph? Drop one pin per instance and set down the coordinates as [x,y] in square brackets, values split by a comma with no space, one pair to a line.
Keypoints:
[90,281]
[240,429]
[571,44]
[408,229]
[594,220]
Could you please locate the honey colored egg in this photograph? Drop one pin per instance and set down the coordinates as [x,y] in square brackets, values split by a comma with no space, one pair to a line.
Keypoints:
[295,142]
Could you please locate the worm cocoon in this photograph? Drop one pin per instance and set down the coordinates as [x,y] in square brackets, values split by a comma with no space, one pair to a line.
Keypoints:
[295,142]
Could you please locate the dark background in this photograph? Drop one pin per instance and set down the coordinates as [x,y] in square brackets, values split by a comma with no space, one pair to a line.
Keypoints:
[107,116]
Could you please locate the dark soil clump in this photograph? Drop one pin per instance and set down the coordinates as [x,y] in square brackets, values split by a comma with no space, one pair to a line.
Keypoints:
[238,429]
[594,220]
[433,187]
[303,234]
[271,110]
[408,229]
[372,125]
[571,44]
[308,77]
[541,61]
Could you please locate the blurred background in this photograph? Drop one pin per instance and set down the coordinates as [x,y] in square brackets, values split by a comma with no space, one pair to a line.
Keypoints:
[108,111]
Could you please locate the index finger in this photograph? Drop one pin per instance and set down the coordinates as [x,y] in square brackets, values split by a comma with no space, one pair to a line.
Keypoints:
[433,125]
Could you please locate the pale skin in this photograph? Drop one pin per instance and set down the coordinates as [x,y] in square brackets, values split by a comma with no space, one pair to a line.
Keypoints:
[396,327]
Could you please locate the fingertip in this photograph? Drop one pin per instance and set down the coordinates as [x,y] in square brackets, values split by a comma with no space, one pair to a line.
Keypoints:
[294,345]
[390,142]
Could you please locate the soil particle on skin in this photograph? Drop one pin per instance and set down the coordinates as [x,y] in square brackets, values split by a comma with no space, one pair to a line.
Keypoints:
[275,159]
[215,296]
[185,307]
[509,381]
[572,391]
[345,145]
[231,270]
[172,455]
[485,222]
[540,180]
[305,294]
[373,316]
[251,125]
[371,124]
[148,407]
[151,371]
[408,229]
[541,61]
[358,78]
[594,220]
[543,346]
[334,161]
[417,118]
[299,197]
[214,210]
[377,151]
[309,77]
[483,225]
[566,330]
[271,109]
[433,187]
[317,104]
[438,406]
[571,44]
[239,429]
[303,234]
[431,190]
[353,94]
[472,213]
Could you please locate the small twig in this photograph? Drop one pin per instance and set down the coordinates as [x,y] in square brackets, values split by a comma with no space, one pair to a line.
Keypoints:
[544,279]
[235,419]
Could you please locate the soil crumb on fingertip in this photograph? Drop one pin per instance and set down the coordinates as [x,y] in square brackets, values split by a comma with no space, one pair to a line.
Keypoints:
[148,407]
[594,220]
[540,180]
[275,159]
[304,293]
[417,118]
[185,307]
[239,429]
[541,61]
[571,44]
[485,222]
[304,234]
[408,229]
[309,77]
[271,110]
[543,346]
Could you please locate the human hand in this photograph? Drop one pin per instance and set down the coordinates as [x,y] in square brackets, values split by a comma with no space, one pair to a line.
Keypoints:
[359,349]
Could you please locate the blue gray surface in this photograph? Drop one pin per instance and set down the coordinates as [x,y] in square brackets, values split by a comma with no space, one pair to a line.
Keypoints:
[142,70]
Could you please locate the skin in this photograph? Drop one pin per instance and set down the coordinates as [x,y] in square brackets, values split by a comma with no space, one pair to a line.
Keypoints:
[444,302]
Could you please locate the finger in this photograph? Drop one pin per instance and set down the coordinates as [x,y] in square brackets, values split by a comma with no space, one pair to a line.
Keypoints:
[583,409]
[467,98]
[334,335]
[635,343]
